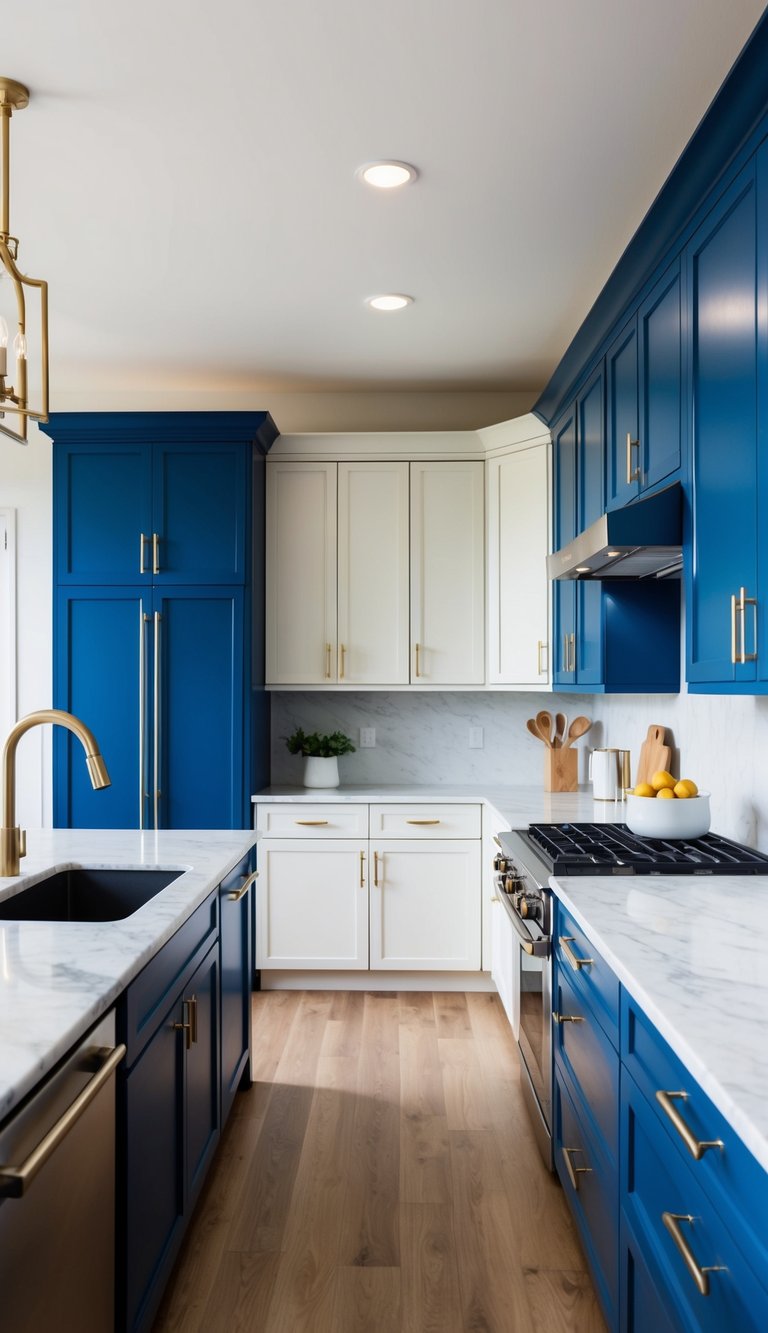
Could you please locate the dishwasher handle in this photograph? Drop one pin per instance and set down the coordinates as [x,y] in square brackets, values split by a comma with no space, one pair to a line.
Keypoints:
[15,1180]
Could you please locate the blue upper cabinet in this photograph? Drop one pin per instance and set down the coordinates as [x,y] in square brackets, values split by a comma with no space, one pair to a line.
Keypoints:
[199,512]
[102,496]
[623,437]
[725,318]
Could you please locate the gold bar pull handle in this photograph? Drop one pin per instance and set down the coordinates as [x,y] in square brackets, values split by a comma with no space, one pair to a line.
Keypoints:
[422,821]
[311,823]
[193,1019]
[155,553]
[572,653]
[237,894]
[576,963]
[696,1147]
[565,652]
[14,1180]
[632,475]
[328,661]
[418,661]
[376,856]
[574,1171]
[156,700]
[698,1272]
[185,1026]
[362,870]
[744,602]
[541,646]
[342,655]
[566,1018]
[734,606]
[143,539]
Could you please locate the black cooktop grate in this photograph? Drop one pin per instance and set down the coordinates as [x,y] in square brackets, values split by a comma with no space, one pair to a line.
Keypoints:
[588,849]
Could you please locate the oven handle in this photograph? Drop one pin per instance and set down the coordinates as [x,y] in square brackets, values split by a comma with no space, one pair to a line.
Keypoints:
[535,948]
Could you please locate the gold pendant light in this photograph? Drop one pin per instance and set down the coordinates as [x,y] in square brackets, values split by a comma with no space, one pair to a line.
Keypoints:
[13,397]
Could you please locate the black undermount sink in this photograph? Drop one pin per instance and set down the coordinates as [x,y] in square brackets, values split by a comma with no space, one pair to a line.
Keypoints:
[86,895]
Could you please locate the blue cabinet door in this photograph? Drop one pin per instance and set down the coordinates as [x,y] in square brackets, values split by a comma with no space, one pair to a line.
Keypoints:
[565,502]
[201,1075]
[236,936]
[622,444]
[101,509]
[198,654]
[591,505]
[97,675]
[200,512]
[721,277]
[661,366]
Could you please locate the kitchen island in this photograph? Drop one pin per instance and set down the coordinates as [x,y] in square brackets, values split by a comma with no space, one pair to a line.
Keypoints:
[57,978]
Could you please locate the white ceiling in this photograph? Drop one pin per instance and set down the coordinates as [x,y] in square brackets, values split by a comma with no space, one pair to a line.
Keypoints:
[184,178]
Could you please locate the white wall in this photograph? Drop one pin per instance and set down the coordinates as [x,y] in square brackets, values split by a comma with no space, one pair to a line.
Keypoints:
[25,485]
[423,738]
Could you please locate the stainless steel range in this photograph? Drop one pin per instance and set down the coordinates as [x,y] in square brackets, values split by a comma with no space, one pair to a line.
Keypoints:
[523,866]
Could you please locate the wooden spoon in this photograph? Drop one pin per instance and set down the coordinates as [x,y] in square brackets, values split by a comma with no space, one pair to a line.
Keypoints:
[561,722]
[544,724]
[534,730]
[578,727]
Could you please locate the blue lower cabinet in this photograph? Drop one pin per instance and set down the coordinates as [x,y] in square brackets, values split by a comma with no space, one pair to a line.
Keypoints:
[705,1282]
[202,1076]
[588,1063]
[590,1182]
[236,942]
[643,1305]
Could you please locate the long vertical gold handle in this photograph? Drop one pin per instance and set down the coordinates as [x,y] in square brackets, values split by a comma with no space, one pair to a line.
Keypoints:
[142,709]
[418,664]
[574,1171]
[342,655]
[237,894]
[565,652]
[540,644]
[143,539]
[193,1019]
[572,657]
[186,1026]
[696,1147]
[156,702]
[744,602]
[632,444]
[698,1272]
[327,661]
[362,870]
[155,553]
[376,869]
[734,654]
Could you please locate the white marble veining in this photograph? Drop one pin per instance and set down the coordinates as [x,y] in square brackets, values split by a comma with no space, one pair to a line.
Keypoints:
[56,978]
[698,972]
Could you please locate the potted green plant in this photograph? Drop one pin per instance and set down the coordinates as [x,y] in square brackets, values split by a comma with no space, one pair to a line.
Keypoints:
[321,755]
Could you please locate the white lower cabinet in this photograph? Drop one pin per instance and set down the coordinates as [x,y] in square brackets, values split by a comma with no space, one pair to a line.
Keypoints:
[425,905]
[312,903]
[505,962]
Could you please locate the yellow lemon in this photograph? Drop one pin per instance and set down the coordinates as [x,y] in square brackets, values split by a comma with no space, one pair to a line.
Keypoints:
[662,779]
[644,789]
[682,791]
[690,786]
[667,793]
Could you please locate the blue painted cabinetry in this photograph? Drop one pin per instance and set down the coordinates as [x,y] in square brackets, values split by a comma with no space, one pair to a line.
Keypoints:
[236,912]
[153,516]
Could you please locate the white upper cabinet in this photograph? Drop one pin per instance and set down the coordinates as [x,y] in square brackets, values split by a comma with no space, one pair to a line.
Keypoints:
[373,574]
[518,590]
[447,573]
[301,573]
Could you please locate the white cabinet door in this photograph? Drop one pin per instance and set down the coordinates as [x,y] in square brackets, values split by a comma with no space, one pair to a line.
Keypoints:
[425,905]
[301,573]
[505,962]
[312,904]
[447,573]
[373,573]
[518,590]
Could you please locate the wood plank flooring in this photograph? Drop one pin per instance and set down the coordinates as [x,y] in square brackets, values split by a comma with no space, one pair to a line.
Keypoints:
[380,1177]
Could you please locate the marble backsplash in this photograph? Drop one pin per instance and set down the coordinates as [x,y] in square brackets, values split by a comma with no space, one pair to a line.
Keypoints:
[721,742]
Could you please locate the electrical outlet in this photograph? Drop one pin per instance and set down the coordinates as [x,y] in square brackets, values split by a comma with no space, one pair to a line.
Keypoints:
[367,738]
[476,738]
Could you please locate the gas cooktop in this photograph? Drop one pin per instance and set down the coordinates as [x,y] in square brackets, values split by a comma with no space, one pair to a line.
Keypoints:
[594,849]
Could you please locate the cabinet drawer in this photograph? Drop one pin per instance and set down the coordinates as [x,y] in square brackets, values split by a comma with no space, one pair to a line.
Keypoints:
[309,820]
[593,1200]
[425,821]
[729,1174]
[594,980]
[588,1060]
[659,1191]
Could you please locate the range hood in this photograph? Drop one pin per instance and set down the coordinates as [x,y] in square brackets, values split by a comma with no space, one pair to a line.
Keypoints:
[643,540]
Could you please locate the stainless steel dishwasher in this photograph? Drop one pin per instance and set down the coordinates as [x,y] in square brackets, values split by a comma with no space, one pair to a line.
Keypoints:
[57,1196]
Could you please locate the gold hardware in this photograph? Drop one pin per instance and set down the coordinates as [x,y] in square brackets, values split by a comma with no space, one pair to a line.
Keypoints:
[698,1272]
[12,840]
[744,602]
[327,661]
[342,655]
[422,821]
[156,756]
[186,1028]
[540,644]
[193,1019]
[376,868]
[572,663]
[14,1180]
[566,1018]
[696,1147]
[574,1171]
[576,963]
[311,823]
[494,900]
[496,840]
[632,444]
[237,894]
[734,656]
[418,666]
[143,539]
[362,870]
[565,652]
[14,97]
[155,553]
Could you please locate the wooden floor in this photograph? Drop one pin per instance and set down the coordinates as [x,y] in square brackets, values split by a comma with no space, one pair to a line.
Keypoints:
[380,1176]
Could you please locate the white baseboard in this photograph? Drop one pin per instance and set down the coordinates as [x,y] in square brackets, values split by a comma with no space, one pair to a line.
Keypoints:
[272,979]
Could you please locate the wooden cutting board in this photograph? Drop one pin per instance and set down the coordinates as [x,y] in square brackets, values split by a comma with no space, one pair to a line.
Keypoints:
[653,755]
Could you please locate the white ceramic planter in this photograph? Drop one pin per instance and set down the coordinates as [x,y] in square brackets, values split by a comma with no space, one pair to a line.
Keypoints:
[320,772]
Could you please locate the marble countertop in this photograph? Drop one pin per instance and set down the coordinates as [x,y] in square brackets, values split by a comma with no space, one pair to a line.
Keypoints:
[698,971]
[57,978]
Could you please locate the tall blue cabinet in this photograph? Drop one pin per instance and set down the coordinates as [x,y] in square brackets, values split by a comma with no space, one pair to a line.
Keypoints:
[158,563]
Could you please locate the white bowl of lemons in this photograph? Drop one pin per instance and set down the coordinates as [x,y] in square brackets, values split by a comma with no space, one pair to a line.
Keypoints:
[667,807]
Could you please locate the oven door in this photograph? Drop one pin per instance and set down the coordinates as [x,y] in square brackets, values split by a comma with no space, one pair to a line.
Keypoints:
[535,1039]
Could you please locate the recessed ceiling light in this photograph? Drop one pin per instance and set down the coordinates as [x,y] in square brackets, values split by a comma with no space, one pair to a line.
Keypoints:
[389,302]
[387,175]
